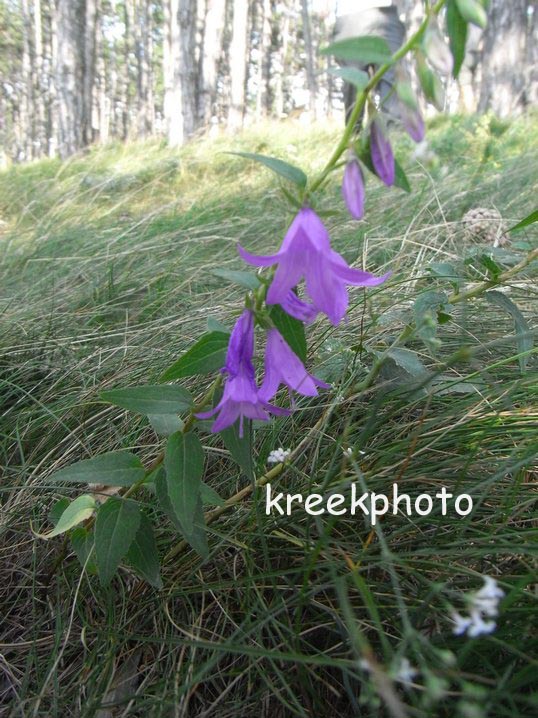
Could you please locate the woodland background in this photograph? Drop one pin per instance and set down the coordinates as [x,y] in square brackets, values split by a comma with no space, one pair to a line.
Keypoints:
[77,72]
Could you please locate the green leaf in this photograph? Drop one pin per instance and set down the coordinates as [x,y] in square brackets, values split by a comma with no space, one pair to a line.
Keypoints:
[291,329]
[406,94]
[402,368]
[352,75]
[197,537]
[240,448]
[400,178]
[210,496]
[530,219]
[115,528]
[524,343]
[472,11]
[143,555]
[244,279]
[165,424]
[184,466]
[366,50]
[115,468]
[57,509]
[82,542]
[214,325]
[426,309]
[431,84]
[409,361]
[204,357]
[284,169]
[457,35]
[150,399]
[78,511]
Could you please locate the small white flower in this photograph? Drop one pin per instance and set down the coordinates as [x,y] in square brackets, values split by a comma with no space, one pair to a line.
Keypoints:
[364,663]
[278,456]
[478,626]
[348,451]
[405,673]
[461,623]
[483,603]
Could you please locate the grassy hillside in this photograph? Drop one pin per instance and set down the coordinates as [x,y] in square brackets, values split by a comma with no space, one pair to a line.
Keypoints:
[106,277]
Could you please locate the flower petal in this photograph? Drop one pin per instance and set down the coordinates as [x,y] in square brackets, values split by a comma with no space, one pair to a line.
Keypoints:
[258,260]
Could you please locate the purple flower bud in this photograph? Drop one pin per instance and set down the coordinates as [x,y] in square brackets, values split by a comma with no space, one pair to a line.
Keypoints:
[283,366]
[353,188]
[381,154]
[413,122]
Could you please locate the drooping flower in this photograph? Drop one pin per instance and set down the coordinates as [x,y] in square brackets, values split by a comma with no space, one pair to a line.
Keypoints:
[413,122]
[306,252]
[283,366]
[295,307]
[381,154]
[353,188]
[240,398]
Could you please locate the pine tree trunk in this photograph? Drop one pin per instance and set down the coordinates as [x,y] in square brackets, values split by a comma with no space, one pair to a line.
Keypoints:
[264,60]
[211,51]
[309,53]
[187,65]
[504,56]
[238,64]
[281,62]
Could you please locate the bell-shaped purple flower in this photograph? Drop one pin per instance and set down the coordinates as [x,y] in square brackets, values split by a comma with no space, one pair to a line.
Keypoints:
[413,122]
[353,188]
[381,154]
[283,366]
[306,252]
[240,398]
[295,307]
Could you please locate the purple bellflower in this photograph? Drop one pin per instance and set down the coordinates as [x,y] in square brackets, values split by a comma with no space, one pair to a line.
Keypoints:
[240,397]
[353,188]
[306,252]
[413,122]
[381,154]
[283,366]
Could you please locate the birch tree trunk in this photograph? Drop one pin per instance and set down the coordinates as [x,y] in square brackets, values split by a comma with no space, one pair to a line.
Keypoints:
[281,63]
[238,64]
[210,55]
[264,60]
[70,17]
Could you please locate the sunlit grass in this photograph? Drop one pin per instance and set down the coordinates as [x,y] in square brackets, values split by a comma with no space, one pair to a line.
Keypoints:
[106,277]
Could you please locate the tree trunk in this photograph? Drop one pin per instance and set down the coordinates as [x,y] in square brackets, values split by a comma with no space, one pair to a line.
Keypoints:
[309,53]
[238,64]
[504,58]
[210,55]
[281,61]
[264,59]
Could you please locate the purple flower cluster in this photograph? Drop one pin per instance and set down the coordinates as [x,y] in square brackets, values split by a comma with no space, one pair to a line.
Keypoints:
[305,253]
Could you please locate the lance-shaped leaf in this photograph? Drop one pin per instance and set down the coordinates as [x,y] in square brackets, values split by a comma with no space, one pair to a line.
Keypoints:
[143,555]
[472,11]
[352,75]
[204,357]
[244,279]
[457,35]
[165,424]
[524,339]
[150,399]
[115,528]
[115,468]
[365,49]
[78,511]
[184,466]
[83,544]
[197,537]
[284,169]
[530,219]
[240,447]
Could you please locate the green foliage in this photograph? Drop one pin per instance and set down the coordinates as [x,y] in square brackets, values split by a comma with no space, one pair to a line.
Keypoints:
[284,169]
[184,466]
[143,555]
[524,338]
[244,279]
[291,329]
[113,468]
[365,50]
[530,219]
[457,35]
[115,529]
[207,355]
[355,77]
[150,400]
[75,513]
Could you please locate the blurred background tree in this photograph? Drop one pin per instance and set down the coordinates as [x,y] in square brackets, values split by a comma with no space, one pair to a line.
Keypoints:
[74,72]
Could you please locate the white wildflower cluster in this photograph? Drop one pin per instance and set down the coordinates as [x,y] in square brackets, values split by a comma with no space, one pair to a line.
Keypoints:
[278,456]
[401,671]
[483,604]
[348,451]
